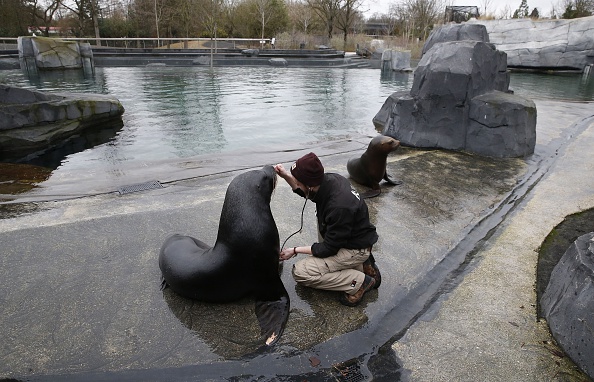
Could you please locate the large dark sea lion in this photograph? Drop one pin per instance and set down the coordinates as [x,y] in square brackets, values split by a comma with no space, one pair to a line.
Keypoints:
[369,169]
[244,259]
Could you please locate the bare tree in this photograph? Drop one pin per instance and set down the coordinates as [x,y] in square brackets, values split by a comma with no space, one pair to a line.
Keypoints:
[390,24]
[347,16]
[577,8]
[85,12]
[43,11]
[506,12]
[301,15]
[163,13]
[388,21]
[555,10]
[229,9]
[420,16]
[403,23]
[95,12]
[485,6]
[158,15]
[184,12]
[264,8]
[209,15]
[328,11]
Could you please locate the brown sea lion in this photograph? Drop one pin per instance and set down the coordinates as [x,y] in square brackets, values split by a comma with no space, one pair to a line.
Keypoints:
[369,169]
[244,260]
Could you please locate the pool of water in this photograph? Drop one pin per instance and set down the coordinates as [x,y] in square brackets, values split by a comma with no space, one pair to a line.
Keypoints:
[557,86]
[180,112]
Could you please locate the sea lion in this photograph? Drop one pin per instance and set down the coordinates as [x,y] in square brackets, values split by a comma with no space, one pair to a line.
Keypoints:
[244,259]
[369,169]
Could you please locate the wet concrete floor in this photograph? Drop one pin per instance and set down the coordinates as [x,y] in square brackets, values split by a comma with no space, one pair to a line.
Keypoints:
[81,297]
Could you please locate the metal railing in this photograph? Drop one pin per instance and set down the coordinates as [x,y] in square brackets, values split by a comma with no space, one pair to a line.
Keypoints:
[8,43]
[153,42]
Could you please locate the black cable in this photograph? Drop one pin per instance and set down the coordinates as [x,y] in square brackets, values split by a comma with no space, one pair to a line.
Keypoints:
[300,228]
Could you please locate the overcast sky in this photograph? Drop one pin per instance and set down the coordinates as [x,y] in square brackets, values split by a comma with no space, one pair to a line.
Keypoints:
[495,6]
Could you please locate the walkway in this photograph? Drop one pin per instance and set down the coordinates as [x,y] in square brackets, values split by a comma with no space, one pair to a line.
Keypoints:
[457,249]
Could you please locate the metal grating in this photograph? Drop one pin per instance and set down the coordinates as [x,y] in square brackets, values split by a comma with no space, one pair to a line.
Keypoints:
[153,184]
[349,371]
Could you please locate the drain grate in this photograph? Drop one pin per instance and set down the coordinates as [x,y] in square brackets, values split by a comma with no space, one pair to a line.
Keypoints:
[349,371]
[153,184]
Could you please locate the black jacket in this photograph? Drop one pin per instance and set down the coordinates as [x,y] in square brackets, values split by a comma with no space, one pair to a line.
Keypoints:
[343,218]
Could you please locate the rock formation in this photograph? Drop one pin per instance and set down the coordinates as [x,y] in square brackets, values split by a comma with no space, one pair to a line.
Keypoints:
[460,100]
[31,122]
[50,54]
[568,302]
[544,44]
[456,32]
[397,60]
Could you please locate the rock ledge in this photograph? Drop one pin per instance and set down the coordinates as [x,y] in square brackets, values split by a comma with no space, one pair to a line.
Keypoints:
[33,122]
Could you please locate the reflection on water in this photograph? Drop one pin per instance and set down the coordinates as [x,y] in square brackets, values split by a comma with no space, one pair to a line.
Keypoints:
[89,137]
[17,179]
[186,111]
[179,112]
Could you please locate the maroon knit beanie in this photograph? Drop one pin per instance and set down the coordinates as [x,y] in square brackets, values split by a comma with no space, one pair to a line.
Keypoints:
[308,170]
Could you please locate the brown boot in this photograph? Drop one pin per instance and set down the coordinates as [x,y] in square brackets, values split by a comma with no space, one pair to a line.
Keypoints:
[371,269]
[355,299]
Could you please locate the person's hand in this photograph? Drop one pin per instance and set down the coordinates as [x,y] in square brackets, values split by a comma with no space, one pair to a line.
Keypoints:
[281,171]
[286,254]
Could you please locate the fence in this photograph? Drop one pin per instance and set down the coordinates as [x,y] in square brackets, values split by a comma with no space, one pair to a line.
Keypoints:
[165,43]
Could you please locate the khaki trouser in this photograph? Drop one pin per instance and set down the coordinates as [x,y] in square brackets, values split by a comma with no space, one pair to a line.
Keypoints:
[342,272]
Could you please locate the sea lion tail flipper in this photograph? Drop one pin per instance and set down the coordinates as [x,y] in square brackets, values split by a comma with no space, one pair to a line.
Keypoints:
[272,317]
[164,284]
[371,193]
[392,181]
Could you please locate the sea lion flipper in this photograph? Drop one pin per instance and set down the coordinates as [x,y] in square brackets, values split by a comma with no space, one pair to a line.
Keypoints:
[371,193]
[226,271]
[164,284]
[370,168]
[392,181]
[272,317]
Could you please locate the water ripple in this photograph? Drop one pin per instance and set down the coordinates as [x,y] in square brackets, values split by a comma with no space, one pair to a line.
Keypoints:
[179,112]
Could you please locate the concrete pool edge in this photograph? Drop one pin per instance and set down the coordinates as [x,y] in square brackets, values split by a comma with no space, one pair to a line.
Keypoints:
[410,349]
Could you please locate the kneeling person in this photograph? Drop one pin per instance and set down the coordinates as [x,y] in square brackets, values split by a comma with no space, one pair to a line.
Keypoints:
[343,260]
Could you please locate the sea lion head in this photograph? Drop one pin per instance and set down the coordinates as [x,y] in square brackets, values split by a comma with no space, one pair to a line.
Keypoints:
[383,144]
[262,181]
[269,180]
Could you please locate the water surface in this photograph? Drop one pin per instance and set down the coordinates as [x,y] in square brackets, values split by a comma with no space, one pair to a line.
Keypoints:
[556,86]
[180,112]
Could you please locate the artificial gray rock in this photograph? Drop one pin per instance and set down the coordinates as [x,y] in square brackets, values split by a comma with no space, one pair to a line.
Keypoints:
[33,122]
[568,303]
[460,70]
[201,60]
[250,52]
[383,117]
[428,122]
[458,92]
[9,64]
[397,60]
[52,53]
[545,44]
[500,125]
[278,62]
[456,32]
